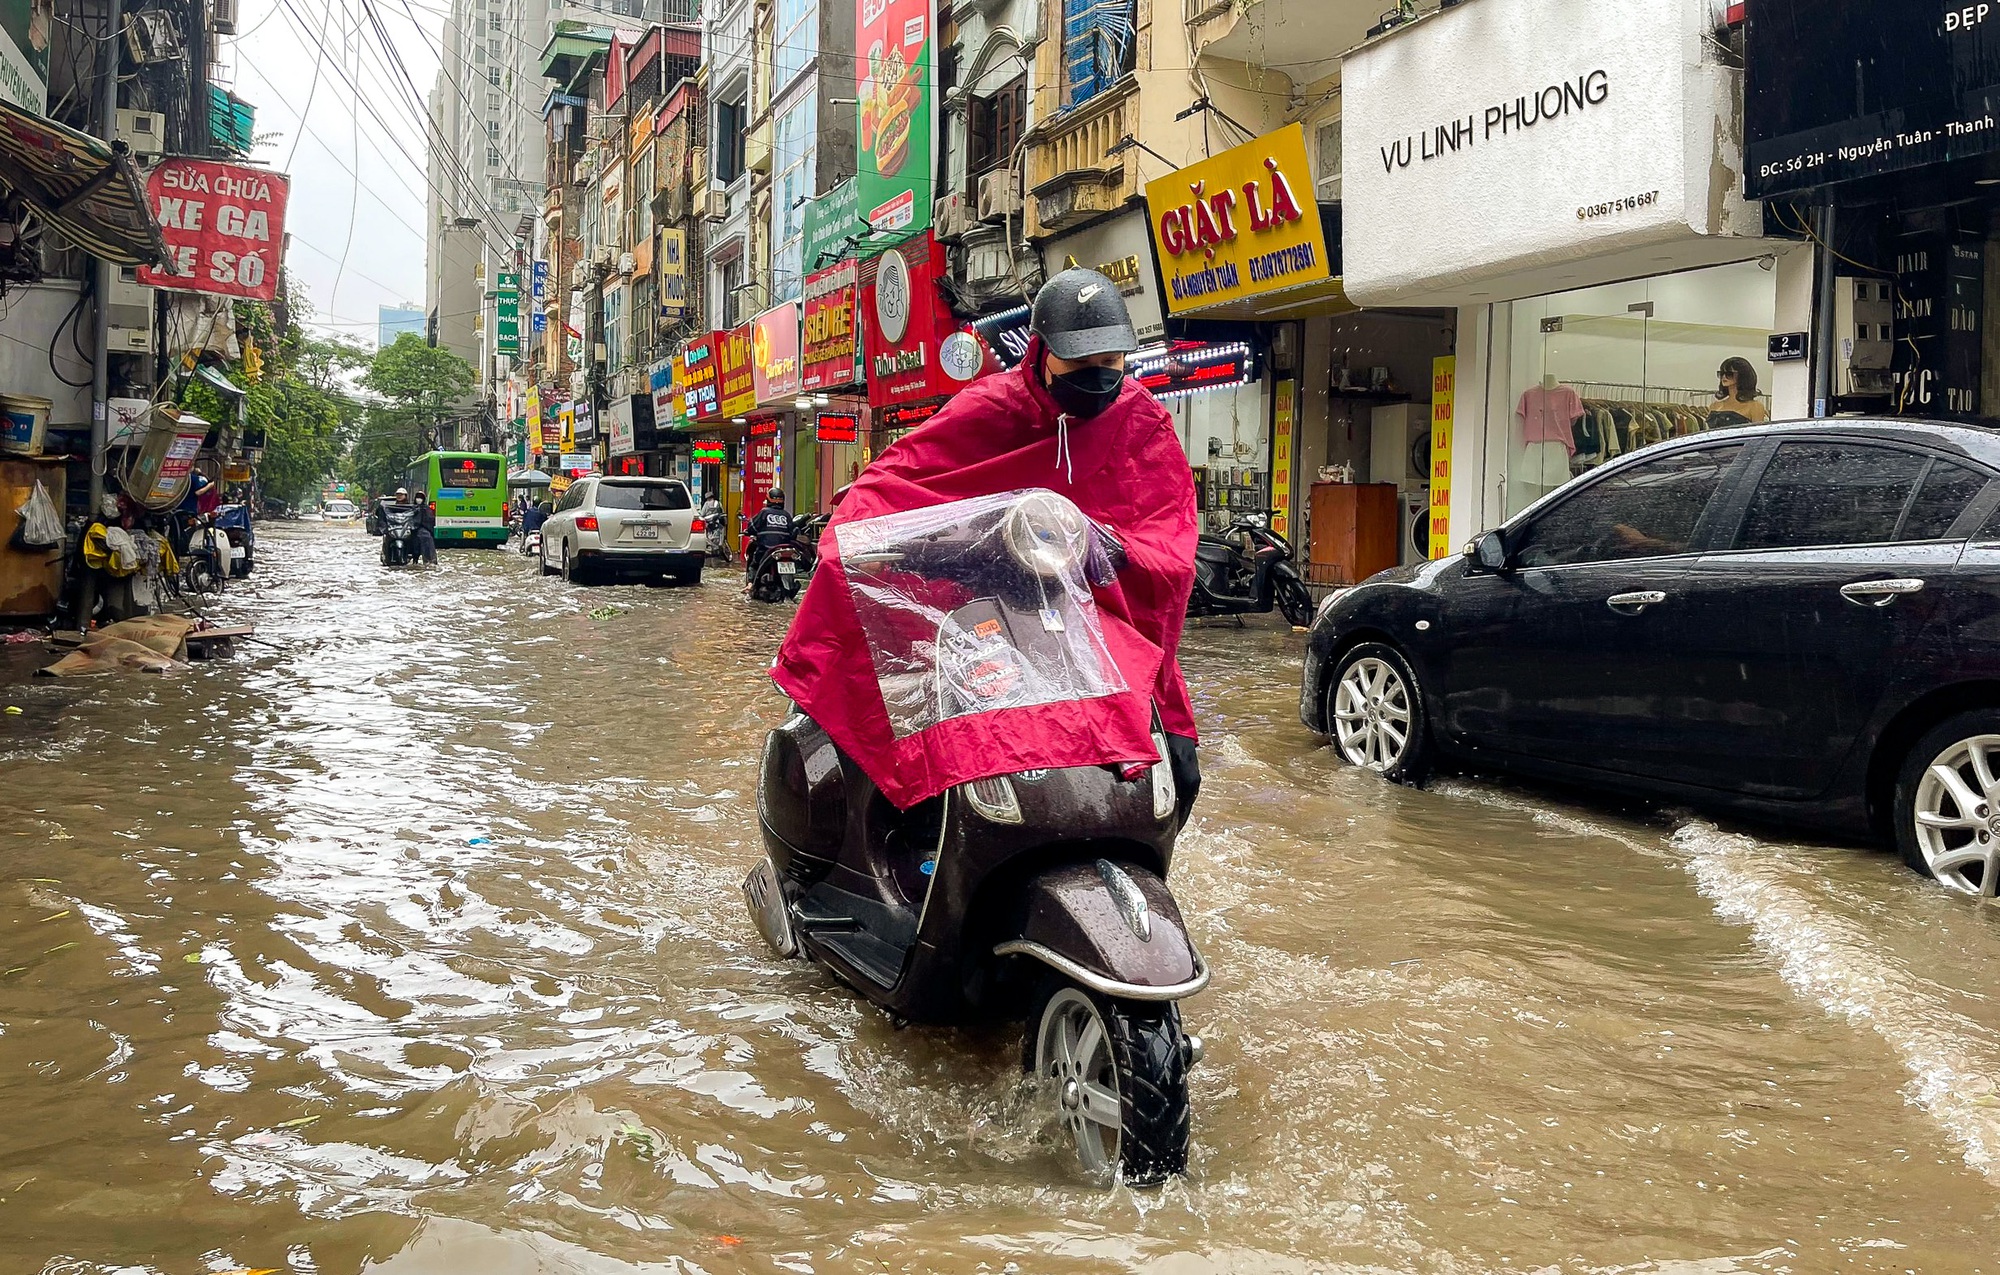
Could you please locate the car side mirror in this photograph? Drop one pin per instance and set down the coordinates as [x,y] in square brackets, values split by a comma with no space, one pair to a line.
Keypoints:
[1489,552]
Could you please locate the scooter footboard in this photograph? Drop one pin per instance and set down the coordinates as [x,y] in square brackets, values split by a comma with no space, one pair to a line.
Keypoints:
[1113,928]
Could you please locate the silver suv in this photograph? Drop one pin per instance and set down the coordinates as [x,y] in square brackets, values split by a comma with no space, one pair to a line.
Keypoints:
[624,526]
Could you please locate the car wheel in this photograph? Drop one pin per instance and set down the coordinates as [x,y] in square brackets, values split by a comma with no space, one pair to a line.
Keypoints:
[572,570]
[1948,804]
[1376,713]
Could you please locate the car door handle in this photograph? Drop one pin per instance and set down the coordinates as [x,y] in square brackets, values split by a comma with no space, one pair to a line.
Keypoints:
[1879,593]
[1634,602]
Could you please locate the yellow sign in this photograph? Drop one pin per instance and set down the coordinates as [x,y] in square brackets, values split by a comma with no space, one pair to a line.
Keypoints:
[1281,456]
[566,415]
[533,420]
[1239,224]
[237,474]
[1444,403]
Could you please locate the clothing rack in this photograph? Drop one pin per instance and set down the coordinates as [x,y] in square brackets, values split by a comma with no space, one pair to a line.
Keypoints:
[1647,393]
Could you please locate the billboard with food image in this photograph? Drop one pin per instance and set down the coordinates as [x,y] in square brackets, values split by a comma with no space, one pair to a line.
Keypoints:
[895,40]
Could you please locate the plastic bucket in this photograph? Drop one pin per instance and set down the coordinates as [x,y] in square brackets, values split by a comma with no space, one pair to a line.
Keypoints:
[24,421]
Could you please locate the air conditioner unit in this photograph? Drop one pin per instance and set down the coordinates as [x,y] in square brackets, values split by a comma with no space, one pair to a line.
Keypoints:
[577,274]
[144,133]
[222,16]
[626,263]
[949,216]
[715,205]
[999,196]
[128,314]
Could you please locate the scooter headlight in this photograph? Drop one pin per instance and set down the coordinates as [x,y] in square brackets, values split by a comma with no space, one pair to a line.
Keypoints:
[1044,533]
[1163,781]
[994,799]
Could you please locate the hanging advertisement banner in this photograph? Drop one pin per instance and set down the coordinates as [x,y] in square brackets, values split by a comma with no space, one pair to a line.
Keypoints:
[507,312]
[24,54]
[893,184]
[914,346]
[1239,224]
[829,353]
[774,353]
[1444,407]
[531,420]
[830,221]
[224,225]
[566,429]
[673,285]
[666,403]
[695,380]
[539,275]
[618,425]
[736,379]
[761,465]
[1284,399]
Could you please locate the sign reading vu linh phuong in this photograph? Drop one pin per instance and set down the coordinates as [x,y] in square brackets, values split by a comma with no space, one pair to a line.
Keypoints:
[1239,224]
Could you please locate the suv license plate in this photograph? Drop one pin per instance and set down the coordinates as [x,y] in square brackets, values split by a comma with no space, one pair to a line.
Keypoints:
[788,568]
[645,533]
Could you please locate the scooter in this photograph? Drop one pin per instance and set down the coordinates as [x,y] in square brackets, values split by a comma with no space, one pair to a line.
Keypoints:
[1248,569]
[777,576]
[397,525]
[234,523]
[531,544]
[1040,894]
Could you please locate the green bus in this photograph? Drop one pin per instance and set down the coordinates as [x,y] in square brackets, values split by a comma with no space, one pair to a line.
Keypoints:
[468,493]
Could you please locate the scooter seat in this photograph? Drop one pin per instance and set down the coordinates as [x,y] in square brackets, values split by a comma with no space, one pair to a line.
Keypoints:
[1221,555]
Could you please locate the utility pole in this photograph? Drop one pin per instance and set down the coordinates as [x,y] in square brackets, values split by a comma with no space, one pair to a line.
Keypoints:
[107,275]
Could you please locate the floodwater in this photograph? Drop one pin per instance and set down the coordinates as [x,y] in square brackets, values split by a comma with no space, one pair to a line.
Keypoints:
[409,942]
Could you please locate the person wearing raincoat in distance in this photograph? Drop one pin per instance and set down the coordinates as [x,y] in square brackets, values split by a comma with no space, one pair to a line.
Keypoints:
[1066,419]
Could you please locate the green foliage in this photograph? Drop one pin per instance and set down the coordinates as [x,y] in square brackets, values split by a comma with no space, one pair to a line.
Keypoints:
[297,399]
[417,382]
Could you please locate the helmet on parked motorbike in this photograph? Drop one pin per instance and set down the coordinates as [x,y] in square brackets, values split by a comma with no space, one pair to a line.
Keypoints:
[1080,313]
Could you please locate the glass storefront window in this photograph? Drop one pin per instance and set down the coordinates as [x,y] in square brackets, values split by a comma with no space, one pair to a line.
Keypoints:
[1600,372]
[1227,434]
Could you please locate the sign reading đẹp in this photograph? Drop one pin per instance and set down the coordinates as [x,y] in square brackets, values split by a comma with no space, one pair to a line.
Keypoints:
[224,225]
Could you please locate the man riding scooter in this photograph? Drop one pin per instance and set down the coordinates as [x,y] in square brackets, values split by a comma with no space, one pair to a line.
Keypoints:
[990,648]
[770,528]
[426,526]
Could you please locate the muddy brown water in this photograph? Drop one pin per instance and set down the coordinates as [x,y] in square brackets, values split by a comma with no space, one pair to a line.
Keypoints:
[409,942]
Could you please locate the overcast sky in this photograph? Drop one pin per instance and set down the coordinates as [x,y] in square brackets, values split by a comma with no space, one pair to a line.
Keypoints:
[374,223]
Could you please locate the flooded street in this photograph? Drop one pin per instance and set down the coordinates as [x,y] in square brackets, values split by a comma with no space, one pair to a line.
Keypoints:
[410,942]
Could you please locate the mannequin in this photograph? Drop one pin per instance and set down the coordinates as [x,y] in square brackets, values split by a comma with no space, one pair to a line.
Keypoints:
[1546,415]
[1736,398]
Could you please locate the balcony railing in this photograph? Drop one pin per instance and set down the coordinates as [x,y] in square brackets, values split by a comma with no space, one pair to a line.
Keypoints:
[1073,173]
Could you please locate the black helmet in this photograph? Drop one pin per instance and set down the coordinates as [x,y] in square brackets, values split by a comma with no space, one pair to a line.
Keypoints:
[1080,313]
[777,496]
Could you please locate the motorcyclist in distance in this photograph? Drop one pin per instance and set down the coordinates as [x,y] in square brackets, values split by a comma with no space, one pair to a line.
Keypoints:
[426,526]
[1066,419]
[769,528]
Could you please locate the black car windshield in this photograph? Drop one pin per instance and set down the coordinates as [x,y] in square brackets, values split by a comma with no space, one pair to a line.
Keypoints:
[667,495]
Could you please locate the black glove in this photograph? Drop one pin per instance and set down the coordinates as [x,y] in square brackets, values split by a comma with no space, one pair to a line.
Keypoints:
[1105,557]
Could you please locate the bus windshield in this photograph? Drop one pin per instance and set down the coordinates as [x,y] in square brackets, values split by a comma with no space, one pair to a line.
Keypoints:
[473,473]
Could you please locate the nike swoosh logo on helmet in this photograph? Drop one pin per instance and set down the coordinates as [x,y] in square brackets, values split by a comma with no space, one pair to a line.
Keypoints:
[1083,297]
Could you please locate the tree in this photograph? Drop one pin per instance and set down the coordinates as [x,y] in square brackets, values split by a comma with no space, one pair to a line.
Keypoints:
[295,397]
[417,383]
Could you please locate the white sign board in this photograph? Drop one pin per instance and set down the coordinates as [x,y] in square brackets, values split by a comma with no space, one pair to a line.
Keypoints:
[1492,147]
[618,419]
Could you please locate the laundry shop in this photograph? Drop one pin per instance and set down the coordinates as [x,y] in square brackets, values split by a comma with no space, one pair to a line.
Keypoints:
[1895,165]
[1565,179]
[1288,398]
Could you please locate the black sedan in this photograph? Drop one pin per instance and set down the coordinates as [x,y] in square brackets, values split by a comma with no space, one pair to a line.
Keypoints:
[1797,621]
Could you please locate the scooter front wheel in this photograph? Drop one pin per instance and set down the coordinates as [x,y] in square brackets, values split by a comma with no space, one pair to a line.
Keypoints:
[1120,1071]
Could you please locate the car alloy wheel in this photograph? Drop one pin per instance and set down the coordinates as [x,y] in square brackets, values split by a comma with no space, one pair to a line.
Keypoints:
[1955,818]
[1372,718]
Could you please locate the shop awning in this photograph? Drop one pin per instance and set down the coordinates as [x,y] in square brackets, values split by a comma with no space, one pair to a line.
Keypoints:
[527,478]
[80,186]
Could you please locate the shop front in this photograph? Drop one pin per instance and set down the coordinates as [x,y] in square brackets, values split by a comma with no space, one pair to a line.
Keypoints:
[1895,168]
[918,354]
[775,374]
[714,438]
[831,375]
[1561,180]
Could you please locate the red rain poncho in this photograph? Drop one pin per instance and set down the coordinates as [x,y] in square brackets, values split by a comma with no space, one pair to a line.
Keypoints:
[1124,469]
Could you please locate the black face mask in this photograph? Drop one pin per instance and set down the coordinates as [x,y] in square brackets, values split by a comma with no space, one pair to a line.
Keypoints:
[1087,391]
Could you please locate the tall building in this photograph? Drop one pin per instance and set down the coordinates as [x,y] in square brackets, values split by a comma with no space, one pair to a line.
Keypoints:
[391,321]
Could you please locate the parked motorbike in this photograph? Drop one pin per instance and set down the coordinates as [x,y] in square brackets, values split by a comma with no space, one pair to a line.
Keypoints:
[531,545]
[1248,569]
[397,525]
[712,519]
[779,572]
[1040,894]
[234,525]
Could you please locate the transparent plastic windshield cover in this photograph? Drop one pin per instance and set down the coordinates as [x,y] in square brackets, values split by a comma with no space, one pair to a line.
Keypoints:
[978,605]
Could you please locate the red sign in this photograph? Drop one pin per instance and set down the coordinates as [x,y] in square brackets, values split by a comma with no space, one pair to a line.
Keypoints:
[224,225]
[830,349]
[774,353]
[765,427]
[833,428]
[907,416]
[735,377]
[916,349]
[694,378]
[711,452]
[760,469]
